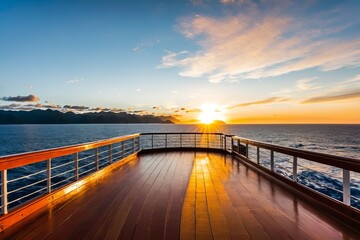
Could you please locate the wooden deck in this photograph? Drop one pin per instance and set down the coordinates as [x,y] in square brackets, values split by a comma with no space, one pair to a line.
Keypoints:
[182,195]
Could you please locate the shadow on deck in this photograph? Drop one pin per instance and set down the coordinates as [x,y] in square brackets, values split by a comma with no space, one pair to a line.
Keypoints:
[183,195]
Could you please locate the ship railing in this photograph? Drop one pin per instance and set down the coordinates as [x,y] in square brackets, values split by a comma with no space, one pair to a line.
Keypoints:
[25,177]
[28,176]
[185,140]
[334,176]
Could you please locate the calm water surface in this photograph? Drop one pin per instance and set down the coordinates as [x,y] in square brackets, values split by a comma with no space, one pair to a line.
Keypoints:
[343,140]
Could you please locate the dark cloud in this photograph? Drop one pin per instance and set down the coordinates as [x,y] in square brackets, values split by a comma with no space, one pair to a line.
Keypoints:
[78,108]
[264,101]
[194,110]
[30,98]
[332,98]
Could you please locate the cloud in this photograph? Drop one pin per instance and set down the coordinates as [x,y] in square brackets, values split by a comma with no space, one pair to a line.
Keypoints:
[332,98]
[75,80]
[262,44]
[29,98]
[259,102]
[78,108]
[306,84]
[143,46]
[355,79]
[193,110]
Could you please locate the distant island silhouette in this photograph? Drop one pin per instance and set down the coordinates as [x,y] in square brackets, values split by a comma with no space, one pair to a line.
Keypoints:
[57,117]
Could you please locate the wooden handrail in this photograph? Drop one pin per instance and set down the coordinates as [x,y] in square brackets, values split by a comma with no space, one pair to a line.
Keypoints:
[18,160]
[332,160]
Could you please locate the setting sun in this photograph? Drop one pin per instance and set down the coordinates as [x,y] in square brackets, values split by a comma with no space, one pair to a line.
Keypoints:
[209,113]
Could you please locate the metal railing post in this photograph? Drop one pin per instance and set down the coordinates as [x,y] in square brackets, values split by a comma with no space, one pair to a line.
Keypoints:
[165,140]
[4,192]
[207,140]
[295,169]
[180,140]
[220,141]
[238,142]
[133,145]
[272,160]
[195,139]
[247,150]
[224,140]
[97,158]
[138,144]
[76,166]
[346,187]
[110,153]
[122,149]
[257,155]
[48,174]
[232,145]
[152,141]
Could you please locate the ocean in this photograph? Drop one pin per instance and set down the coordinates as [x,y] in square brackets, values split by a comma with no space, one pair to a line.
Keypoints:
[341,140]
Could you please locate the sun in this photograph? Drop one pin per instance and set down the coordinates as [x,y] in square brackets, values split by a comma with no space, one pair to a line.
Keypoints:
[209,113]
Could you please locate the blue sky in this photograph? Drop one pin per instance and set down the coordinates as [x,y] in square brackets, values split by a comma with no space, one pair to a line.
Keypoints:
[255,61]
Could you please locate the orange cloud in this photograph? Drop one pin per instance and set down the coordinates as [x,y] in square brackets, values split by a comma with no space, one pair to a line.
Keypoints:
[261,45]
[331,98]
[264,101]
[29,98]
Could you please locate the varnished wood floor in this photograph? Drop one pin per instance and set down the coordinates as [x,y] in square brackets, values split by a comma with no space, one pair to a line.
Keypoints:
[183,195]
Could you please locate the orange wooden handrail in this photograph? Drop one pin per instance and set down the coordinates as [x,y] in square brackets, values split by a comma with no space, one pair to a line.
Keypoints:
[18,160]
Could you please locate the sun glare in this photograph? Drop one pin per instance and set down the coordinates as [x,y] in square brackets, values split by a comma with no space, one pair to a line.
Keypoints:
[209,113]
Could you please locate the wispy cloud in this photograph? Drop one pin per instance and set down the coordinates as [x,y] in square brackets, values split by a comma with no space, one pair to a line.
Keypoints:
[260,102]
[307,84]
[262,44]
[142,46]
[29,98]
[331,98]
[75,80]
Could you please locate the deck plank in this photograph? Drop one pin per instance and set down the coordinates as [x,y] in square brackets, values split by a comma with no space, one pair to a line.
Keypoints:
[182,195]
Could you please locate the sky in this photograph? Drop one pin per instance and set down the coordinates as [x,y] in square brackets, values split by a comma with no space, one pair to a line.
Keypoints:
[240,61]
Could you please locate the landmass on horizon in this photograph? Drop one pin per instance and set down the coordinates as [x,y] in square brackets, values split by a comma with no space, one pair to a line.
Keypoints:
[56,117]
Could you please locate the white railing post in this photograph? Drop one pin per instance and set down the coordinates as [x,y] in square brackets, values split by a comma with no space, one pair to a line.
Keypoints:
[76,166]
[257,155]
[110,153]
[295,169]
[272,160]
[346,187]
[48,174]
[97,158]
[4,198]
